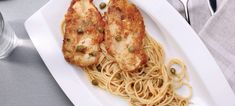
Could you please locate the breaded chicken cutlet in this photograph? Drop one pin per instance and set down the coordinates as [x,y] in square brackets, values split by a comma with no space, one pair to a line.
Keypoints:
[84,31]
[124,34]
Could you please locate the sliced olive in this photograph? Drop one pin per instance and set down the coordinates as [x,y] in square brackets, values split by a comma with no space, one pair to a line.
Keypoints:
[160,83]
[102,5]
[131,49]
[101,30]
[80,30]
[118,38]
[81,48]
[173,71]
[94,82]
[93,53]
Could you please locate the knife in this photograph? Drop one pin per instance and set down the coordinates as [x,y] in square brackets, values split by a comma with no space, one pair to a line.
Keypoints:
[212,5]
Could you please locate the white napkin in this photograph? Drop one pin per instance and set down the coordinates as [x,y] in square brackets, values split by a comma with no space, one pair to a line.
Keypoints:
[217,31]
[219,36]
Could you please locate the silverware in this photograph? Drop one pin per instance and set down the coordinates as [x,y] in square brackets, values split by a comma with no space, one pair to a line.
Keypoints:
[212,6]
[1,24]
[185,3]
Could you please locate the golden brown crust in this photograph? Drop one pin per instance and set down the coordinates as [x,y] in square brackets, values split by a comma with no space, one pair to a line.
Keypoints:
[83,15]
[124,19]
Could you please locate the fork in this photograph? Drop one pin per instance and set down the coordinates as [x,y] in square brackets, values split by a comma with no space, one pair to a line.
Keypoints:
[185,3]
[1,24]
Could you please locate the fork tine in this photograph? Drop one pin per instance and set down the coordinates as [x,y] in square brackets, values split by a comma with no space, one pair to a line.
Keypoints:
[185,4]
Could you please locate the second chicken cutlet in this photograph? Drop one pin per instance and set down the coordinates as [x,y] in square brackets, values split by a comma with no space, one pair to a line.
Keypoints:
[84,32]
[124,34]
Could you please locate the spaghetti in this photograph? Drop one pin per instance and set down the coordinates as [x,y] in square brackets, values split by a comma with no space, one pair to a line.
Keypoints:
[154,84]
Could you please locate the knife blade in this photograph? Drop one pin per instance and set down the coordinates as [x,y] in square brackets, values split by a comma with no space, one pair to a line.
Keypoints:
[212,5]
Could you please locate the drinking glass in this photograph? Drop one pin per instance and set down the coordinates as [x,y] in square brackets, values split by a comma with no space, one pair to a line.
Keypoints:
[8,39]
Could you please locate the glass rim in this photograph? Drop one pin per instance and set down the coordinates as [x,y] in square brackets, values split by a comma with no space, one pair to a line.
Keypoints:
[2,25]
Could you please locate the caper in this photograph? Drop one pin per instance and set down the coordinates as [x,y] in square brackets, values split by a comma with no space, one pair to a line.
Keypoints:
[94,82]
[92,54]
[122,17]
[80,30]
[131,49]
[102,5]
[80,48]
[101,30]
[68,40]
[173,71]
[118,38]
[118,76]
[132,85]
[160,83]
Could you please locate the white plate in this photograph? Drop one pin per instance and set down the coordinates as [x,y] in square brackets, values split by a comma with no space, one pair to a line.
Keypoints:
[163,22]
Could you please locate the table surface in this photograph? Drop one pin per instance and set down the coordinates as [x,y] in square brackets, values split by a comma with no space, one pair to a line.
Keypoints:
[24,78]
